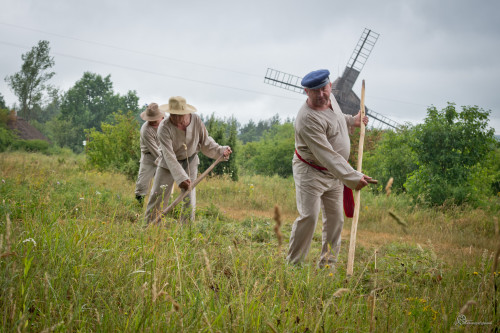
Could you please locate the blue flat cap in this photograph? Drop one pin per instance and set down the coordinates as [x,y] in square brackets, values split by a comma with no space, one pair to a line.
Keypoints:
[316,79]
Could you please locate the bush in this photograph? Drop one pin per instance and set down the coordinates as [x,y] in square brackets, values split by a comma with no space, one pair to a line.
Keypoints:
[450,146]
[6,138]
[392,157]
[117,147]
[273,153]
[31,145]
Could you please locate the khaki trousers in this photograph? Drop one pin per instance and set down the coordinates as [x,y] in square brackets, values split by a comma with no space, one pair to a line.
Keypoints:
[315,191]
[162,189]
[147,170]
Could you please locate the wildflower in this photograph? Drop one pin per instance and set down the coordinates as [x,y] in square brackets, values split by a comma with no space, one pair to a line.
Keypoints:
[327,266]
[423,300]
[331,274]
[58,183]
[251,186]
[97,192]
[476,273]
[3,181]
[163,187]
[82,198]
[30,240]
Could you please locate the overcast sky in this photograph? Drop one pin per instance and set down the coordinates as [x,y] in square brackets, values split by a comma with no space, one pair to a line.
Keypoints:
[216,53]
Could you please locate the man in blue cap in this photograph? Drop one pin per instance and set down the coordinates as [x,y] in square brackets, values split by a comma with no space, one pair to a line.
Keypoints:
[320,169]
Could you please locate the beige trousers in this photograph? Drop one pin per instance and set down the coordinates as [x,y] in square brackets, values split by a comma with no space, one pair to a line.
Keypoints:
[162,189]
[147,170]
[315,191]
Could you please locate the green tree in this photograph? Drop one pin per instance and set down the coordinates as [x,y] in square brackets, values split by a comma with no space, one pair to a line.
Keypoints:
[272,154]
[117,146]
[449,145]
[6,136]
[29,83]
[2,102]
[392,156]
[224,132]
[90,102]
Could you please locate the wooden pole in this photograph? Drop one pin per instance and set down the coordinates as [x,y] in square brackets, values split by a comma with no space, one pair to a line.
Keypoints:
[185,193]
[357,198]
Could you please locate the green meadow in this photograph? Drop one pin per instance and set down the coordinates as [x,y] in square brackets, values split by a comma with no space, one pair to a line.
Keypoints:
[75,256]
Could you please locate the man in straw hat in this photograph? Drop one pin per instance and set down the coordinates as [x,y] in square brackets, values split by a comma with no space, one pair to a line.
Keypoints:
[320,169]
[182,135]
[150,150]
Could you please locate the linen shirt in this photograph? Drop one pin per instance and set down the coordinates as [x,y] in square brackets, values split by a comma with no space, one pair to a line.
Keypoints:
[176,145]
[149,143]
[322,137]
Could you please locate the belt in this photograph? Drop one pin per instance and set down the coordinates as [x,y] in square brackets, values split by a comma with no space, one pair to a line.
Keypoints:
[348,198]
[186,161]
[317,167]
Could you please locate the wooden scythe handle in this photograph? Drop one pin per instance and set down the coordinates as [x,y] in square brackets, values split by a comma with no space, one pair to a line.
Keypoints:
[185,193]
[357,199]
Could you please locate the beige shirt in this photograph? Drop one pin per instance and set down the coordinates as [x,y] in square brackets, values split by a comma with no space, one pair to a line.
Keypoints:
[322,137]
[150,149]
[176,144]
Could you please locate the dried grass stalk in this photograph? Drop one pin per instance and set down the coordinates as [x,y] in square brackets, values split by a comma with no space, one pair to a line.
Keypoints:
[277,226]
[465,308]
[389,186]
[340,292]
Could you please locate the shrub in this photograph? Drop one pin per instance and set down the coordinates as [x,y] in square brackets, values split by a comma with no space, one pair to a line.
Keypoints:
[448,146]
[392,157]
[116,147]
[31,145]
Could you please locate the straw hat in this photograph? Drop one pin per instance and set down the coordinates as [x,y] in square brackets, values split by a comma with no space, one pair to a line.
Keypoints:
[177,105]
[152,113]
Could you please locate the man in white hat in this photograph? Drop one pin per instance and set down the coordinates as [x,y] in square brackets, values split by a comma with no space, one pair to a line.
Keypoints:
[150,149]
[181,136]
[320,169]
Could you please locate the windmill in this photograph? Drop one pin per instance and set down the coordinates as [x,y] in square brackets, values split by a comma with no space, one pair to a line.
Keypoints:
[342,86]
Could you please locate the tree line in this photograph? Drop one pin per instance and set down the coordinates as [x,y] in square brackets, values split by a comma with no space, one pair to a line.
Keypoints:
[451,158]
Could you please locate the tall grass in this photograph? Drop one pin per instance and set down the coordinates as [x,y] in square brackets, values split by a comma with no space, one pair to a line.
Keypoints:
[75,257]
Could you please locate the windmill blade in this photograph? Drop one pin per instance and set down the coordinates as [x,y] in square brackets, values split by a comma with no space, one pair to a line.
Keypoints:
[284,80]
[357,60]
[363,49]
[380,121]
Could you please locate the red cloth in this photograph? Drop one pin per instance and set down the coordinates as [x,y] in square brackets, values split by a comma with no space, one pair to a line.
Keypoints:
[348,197]
[348,202]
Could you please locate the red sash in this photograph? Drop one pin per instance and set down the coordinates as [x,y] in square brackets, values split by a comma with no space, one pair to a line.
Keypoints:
[348,197]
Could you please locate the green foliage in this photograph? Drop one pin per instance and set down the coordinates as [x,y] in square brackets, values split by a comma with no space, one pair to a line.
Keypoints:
[6,138]
[273,153]
[62,133]
[449,146]
[224,132]
[254,132]
[392,157]
[117,146]
[29,83]
[4,117]
[41,146]
[90,102]
[2,102]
